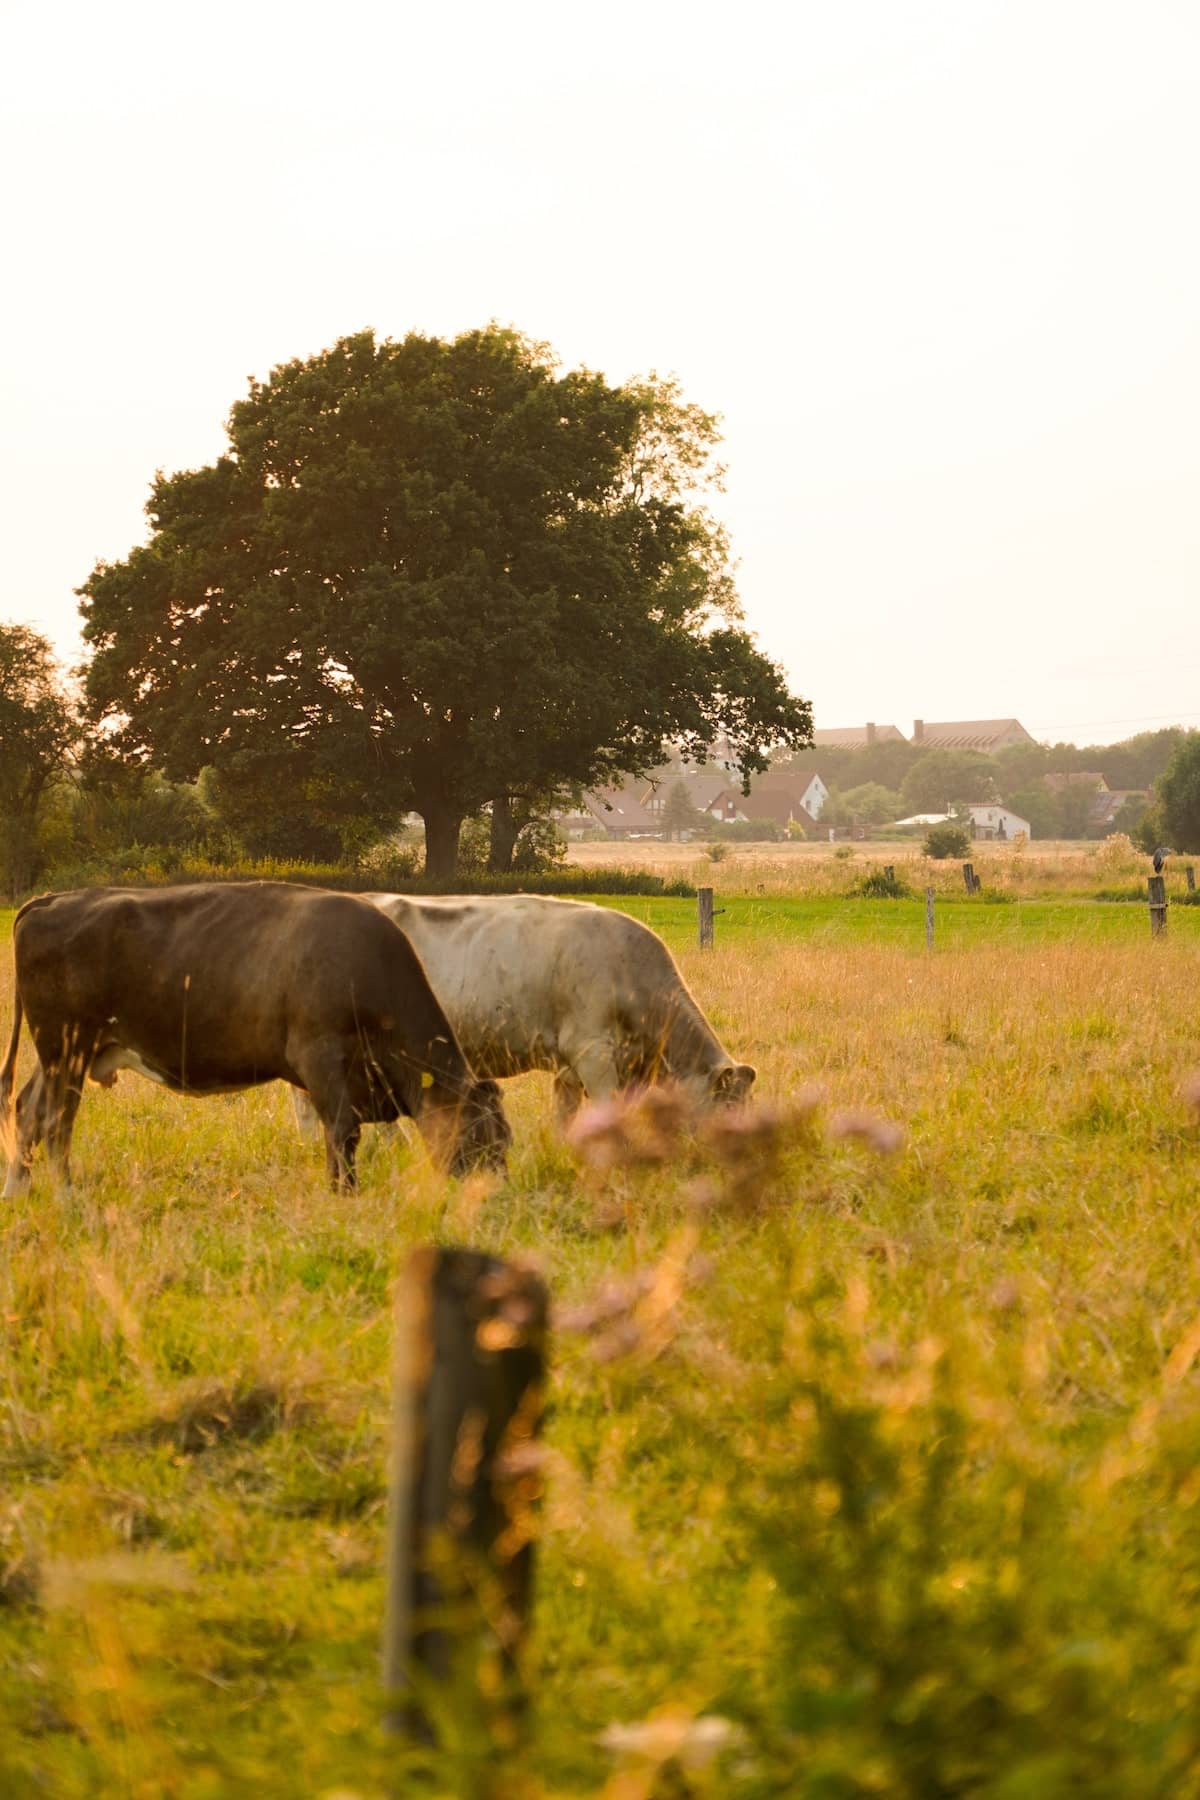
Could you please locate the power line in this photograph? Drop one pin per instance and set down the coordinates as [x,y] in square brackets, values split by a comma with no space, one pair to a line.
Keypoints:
[1138,719]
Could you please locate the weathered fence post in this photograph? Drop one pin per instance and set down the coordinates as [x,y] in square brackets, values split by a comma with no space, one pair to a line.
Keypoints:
[968,878]
[1190,873]
[464,1485]
[929,918]
[1158,905]
[704,901]
[889,871]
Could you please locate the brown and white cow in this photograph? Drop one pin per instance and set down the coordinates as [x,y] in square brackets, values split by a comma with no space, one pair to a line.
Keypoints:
[530,982]
[213,988]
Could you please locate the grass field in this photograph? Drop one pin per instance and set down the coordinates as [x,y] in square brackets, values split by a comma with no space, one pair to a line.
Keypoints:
[898,1476]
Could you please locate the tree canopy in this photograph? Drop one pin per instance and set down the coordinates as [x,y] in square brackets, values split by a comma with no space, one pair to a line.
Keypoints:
[38,728]
[1179,796]
[943,779]
[429,575]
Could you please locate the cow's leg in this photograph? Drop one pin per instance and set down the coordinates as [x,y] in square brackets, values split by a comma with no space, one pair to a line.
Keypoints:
[308,1123]
[341,1141]
[595,1070]
[568,1095]
[28,1134]
[326,1079]
[63,1092]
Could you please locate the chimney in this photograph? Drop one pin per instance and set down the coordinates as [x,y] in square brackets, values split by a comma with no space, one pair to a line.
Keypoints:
[918,731]
[870,734]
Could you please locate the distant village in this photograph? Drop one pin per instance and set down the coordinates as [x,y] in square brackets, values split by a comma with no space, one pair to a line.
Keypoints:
[680,799]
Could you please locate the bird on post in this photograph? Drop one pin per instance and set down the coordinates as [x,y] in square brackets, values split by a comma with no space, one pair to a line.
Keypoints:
[1160,857]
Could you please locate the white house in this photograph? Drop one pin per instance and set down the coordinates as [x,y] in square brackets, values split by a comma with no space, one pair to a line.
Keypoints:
[991,820]
[812,796]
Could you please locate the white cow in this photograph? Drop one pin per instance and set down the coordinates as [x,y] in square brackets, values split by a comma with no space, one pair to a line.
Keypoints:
[530,982]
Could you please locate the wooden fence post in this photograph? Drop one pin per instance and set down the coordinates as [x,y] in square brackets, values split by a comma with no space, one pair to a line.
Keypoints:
[1190,873]
[929,918]
[704,900]
[1158,905]
[464,1485]
[968,878]
[889,871]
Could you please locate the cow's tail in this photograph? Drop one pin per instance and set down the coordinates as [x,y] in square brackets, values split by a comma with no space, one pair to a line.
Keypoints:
[8,1134]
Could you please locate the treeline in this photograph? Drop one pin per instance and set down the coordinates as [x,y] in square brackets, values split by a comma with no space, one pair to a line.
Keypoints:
[882,782]
[73,813]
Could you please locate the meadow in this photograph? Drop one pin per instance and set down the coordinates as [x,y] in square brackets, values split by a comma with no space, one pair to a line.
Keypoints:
[874,1460]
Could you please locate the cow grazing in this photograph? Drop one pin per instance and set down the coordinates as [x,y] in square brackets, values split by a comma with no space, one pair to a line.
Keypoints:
[534,983]
[209,989]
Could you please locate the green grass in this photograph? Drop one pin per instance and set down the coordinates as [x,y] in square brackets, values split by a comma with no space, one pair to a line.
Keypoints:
[902,1483]
[958,923]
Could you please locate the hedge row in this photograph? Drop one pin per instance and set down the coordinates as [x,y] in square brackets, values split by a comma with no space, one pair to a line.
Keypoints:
[379,878]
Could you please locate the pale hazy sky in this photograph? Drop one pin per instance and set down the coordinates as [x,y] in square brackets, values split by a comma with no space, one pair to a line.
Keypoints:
[935,262]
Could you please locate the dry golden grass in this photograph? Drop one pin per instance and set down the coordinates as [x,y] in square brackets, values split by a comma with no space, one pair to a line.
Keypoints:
[1031,869]
[193,1404]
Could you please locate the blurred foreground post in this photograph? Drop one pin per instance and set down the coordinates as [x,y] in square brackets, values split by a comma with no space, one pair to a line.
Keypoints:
[464,1490]
[1190,873]
[1158,904]
[704,901]
[889,871]
[929,918]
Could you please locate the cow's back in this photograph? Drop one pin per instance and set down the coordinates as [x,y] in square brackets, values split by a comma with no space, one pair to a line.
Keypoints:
[527,979]
[214,984]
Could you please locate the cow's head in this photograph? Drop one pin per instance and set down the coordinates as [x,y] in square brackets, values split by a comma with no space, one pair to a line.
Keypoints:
[483,1131]
[730,1084]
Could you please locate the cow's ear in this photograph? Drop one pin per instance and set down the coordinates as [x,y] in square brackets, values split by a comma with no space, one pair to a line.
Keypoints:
[732,1084]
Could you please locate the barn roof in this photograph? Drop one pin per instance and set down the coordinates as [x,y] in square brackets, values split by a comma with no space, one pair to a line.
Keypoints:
[987,735]
[855,737]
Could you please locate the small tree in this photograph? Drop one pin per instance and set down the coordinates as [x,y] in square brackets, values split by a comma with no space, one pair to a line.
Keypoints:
[1130,814]
[1040,807]
[678,814]
[943,779]
[1178,795]
[942,841]
[38,730]
[871,804]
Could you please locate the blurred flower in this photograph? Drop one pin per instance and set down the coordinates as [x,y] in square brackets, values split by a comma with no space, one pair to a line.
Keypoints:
[610,1301]
[878,1134]
[672,1736]
[641,1126]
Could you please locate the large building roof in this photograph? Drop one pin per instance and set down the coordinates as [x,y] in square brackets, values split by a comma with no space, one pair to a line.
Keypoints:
[988,735]
[856,737]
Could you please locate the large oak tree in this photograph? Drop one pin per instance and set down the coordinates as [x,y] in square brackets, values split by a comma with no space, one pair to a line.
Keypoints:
[434,574]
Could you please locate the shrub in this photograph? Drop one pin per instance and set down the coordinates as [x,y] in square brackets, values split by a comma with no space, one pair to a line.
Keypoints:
[1116,852]
[541,847]
[147,869]
[879,885]
[942,841]
[716,852]
[749,831]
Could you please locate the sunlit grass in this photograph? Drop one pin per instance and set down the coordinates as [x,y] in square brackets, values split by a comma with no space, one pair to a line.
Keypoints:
[753,1520]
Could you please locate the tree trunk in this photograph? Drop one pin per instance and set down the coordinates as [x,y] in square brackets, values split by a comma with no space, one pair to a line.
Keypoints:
[442,827]
[20,859]
[505,832]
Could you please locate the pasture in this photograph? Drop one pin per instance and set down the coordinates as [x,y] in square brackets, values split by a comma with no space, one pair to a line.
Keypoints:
[892,1466]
